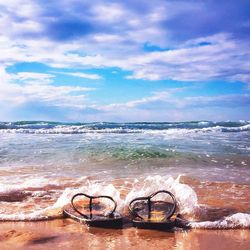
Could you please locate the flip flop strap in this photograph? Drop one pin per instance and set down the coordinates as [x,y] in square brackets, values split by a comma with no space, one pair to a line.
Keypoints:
[91,198]
[148,198]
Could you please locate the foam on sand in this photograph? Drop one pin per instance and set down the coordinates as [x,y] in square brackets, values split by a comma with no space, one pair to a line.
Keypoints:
[238,220]
[186,198]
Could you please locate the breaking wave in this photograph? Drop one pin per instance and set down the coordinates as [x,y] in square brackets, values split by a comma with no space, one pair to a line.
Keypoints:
[42,127]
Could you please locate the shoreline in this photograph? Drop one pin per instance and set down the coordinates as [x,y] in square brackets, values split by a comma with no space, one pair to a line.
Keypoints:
[68,234]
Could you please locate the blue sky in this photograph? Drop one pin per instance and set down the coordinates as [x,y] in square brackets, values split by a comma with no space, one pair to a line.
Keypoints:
[124,61]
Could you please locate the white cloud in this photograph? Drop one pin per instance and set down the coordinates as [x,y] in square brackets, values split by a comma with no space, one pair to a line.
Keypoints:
[159,96]
[224,58]
[33,77]
[117,39]
[168,100]
[107,38]
[120,31]
[18,17]
[81,75]
[26,8]
[37,88]
[221,59]
[109,12]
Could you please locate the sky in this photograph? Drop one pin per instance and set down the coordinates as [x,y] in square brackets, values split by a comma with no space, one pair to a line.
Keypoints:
[124,61]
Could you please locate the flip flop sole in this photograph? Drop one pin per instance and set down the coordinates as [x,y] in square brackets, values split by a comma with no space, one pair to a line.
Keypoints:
[115,221]
[165,225]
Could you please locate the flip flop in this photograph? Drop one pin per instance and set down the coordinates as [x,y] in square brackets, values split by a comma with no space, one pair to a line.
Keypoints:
[95,218]
[150,214]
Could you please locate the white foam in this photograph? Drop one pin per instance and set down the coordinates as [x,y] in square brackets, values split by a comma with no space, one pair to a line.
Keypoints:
[70,130]
[204,123]
[237,129]
[38,182]
[177,132]
[185,196]
[65,129]
[56,210]
[91,188]
[238,220]
[42,214]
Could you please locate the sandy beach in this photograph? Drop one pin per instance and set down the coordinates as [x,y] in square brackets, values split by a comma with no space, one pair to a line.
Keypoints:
[67,234]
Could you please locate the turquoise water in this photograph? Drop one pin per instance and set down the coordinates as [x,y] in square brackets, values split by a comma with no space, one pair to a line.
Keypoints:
[129,148]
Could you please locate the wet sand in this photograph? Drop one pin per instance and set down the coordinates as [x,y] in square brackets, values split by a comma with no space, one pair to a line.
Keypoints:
[68,234]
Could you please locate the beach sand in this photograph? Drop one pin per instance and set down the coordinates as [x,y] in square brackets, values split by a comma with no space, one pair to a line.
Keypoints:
[68,234]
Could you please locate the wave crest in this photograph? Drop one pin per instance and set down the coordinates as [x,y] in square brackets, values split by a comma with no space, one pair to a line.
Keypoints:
[122,128]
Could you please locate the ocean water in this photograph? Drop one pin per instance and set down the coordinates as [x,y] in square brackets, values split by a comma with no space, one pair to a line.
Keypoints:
[205,164]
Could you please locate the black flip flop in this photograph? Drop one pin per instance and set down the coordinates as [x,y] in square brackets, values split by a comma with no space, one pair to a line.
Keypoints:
[111,220]
[153,214]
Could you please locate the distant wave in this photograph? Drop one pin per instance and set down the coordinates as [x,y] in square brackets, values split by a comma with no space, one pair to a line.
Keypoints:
[43,127]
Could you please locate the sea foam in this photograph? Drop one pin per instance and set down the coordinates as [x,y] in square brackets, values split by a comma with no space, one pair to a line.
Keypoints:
[237,220]
[186,198]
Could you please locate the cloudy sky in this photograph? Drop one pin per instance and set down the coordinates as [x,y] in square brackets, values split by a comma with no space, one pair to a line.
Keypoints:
[161,60]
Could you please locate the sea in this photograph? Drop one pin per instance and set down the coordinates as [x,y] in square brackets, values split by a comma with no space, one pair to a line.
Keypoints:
[205,164]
